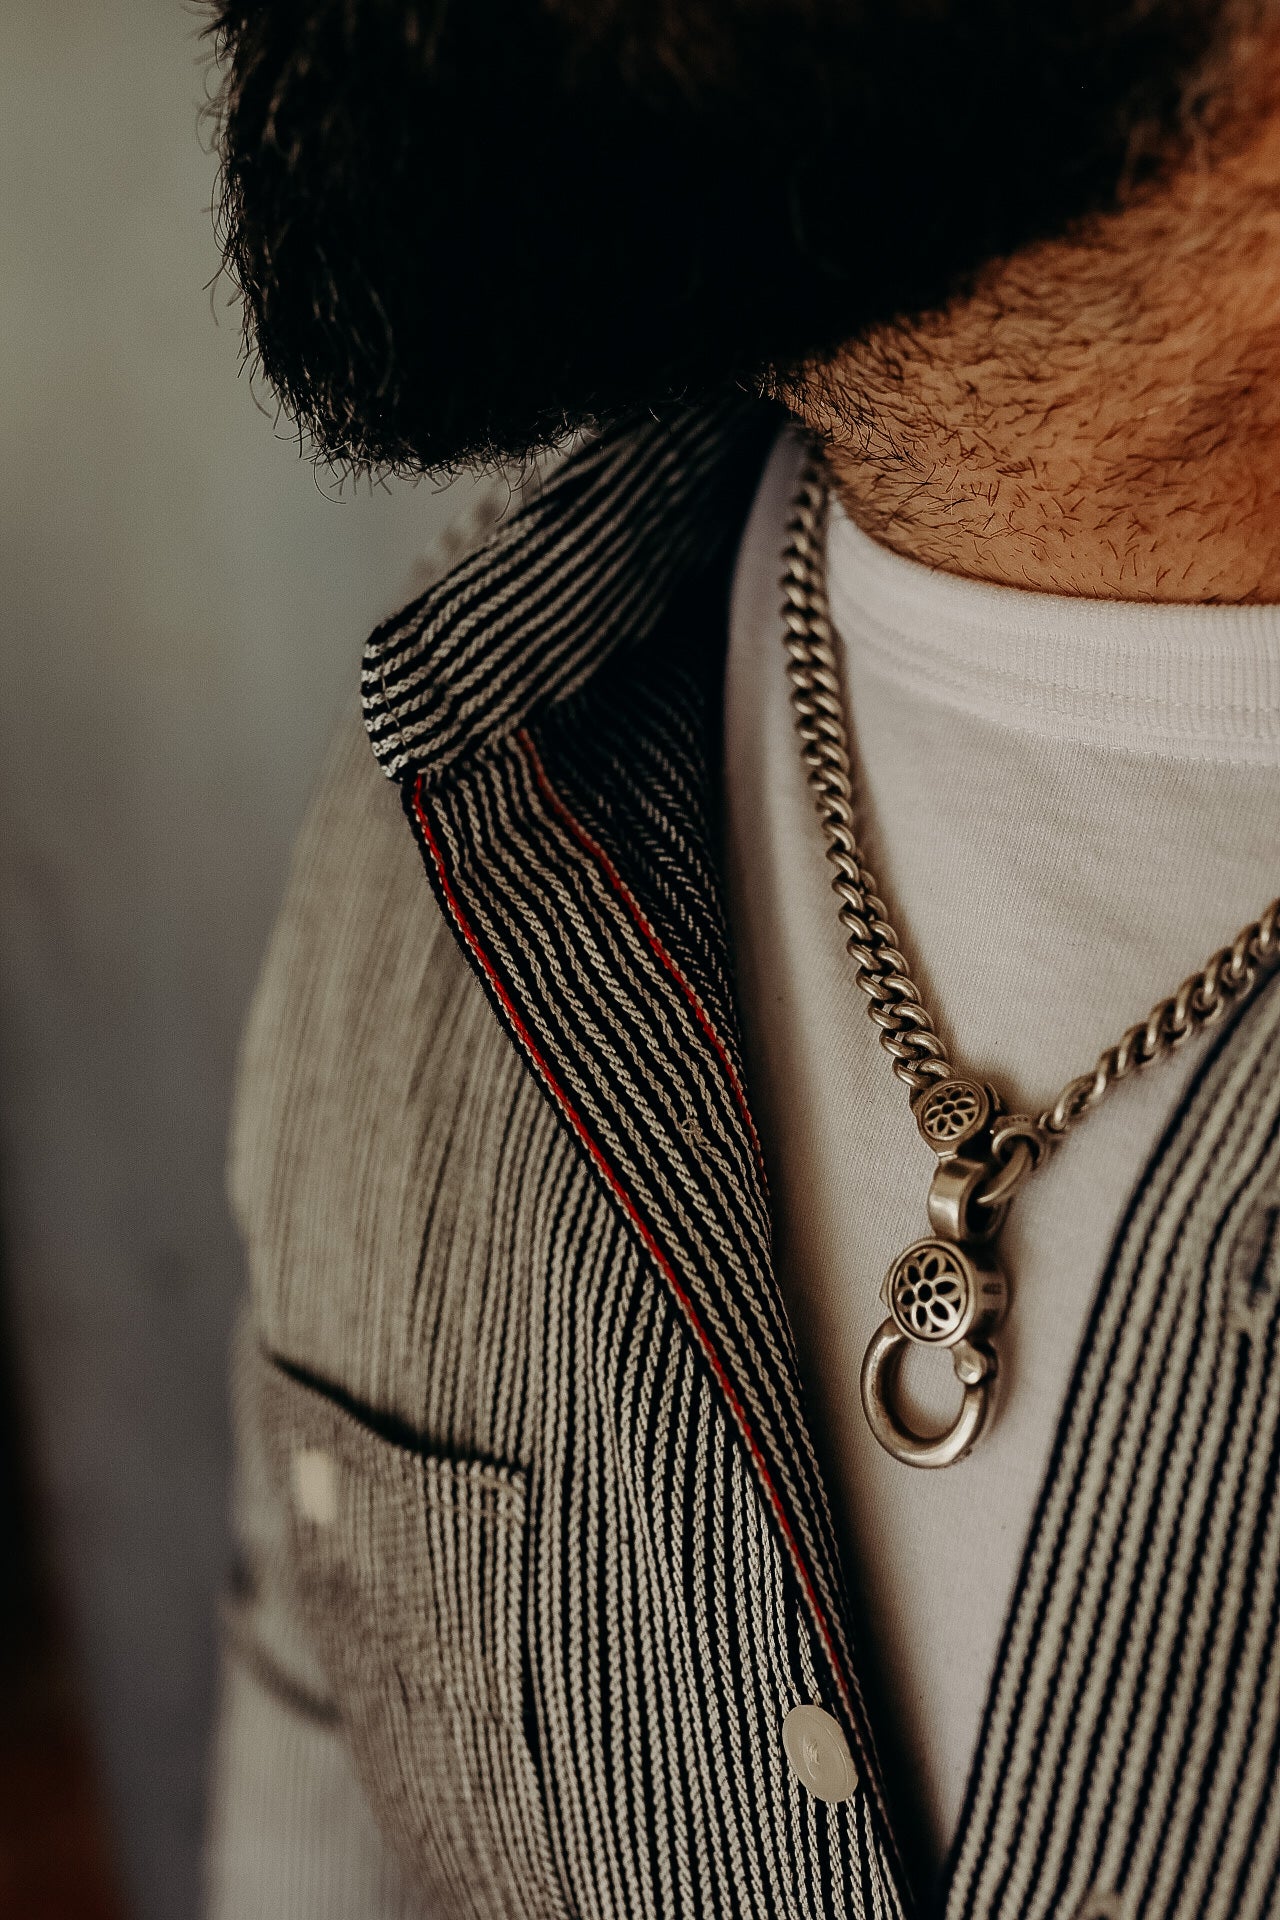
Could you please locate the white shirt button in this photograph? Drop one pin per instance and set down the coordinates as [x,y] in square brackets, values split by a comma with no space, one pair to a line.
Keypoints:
[315,1485]
[818,1753]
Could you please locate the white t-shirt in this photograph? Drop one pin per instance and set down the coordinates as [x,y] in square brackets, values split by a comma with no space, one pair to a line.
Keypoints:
[1069,804]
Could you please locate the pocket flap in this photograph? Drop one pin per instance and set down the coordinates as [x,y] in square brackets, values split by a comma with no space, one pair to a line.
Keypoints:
[407,1567]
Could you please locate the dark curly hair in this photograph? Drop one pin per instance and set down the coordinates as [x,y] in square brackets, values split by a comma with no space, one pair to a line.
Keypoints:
[461,227]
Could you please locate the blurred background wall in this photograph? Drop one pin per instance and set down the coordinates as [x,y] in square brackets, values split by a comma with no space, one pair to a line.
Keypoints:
[181,612]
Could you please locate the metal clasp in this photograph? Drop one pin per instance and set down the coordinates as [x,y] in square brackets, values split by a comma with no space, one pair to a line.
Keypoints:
[938,1295]
[947,1291]
[975,1369]
[956,1210]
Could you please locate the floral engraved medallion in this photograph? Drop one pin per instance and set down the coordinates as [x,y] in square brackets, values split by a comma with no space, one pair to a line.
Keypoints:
[929,1292]
[952,1112]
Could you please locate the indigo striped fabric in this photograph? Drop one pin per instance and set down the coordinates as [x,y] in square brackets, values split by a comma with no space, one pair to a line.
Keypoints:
[536,1554]
[1132,1739]
[591,564]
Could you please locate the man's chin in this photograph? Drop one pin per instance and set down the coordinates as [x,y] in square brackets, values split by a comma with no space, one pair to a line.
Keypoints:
[459,231]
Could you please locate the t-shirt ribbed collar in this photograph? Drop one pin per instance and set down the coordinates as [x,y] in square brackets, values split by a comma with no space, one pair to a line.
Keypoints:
[1192,681]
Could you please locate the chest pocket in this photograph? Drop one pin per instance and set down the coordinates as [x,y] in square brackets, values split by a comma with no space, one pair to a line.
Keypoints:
[408,1572]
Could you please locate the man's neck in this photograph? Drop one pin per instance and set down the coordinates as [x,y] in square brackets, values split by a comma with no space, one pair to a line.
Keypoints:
[1097,417]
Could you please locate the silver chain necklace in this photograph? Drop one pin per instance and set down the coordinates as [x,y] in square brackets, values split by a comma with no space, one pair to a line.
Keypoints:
[947,1290]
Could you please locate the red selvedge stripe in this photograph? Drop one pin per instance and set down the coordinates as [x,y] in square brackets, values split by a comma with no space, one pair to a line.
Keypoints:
[637,913]
[651,1241]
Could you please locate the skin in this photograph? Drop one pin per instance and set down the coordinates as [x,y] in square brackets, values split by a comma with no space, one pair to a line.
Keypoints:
[1098,416]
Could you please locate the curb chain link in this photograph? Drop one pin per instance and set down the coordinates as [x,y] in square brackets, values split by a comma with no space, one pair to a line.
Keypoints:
[906,1031]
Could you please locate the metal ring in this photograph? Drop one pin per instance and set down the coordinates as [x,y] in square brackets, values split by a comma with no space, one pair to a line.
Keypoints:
[1001,1188]
[879,1369]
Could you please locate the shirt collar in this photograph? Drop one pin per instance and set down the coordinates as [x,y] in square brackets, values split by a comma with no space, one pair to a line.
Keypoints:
[590,563]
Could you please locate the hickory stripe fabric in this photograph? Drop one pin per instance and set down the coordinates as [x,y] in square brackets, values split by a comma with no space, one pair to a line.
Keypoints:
[441,1280]
[591,564]
[525,1640]
[1132,1740]
[616,989]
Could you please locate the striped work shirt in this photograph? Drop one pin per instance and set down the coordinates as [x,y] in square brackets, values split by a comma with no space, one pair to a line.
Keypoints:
[536,1556]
